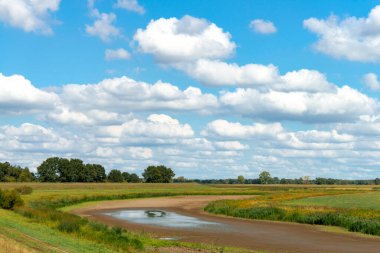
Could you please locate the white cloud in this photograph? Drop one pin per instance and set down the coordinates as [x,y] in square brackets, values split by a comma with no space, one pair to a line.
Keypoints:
[30,16]
[223,128]
[218,73]
[121,94]
[230,145]
[262,26]
[18,95]
[264,77]
[371,81]
[103,26]
[131,5]
[344,104]
[140,152]
[155,126]
[173,41]
[354,39]
[33,138]
[117,54]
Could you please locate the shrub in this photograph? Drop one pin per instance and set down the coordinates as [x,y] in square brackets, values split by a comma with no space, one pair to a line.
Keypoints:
[10,199]
[24,190]
[69,224]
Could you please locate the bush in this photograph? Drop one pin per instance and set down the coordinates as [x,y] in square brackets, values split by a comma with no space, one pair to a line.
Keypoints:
[24,190]
[10,199]
[69,224]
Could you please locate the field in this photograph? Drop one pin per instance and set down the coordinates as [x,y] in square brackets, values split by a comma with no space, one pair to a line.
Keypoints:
[42,225]
[363,201]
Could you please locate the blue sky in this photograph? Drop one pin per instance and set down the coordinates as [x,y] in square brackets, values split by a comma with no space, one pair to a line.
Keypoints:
[213,89]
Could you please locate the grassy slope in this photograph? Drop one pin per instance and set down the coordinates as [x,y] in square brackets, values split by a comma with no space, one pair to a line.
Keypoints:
[364,201]
[42,238]
[47,239]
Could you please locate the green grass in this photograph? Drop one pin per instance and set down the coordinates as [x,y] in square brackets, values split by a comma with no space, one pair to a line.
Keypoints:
[363,201]
[44,225]
[43,238]
[43,210]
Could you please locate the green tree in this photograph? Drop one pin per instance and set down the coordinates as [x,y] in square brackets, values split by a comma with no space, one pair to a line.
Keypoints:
[240,179]
[48,170]
[26,176]
[158,174]
[377,181]
[133,178]
[126,176]
[115,176]
[265,177]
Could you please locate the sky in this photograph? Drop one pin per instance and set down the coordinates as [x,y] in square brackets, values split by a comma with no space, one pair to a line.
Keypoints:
[212,89]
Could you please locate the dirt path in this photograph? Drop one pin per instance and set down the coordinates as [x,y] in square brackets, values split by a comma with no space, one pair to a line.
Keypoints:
[250,234]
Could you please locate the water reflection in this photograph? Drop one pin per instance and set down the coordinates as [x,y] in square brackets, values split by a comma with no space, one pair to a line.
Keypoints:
[162,218]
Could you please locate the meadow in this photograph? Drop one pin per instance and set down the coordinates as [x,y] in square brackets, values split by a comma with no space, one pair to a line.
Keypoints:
[43,226]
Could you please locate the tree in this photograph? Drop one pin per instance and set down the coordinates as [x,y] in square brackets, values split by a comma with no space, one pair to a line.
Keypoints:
[265,177]
[158,174]
[48,170]
[115,176]
[26,176]
[133,178]
[126,176]
[240,179]
[377,181]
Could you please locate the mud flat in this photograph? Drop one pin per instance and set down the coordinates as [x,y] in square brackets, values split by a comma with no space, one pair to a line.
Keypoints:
[227,231]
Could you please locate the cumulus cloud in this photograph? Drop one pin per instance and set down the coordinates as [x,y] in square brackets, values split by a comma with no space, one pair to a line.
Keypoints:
[117,54]
[120,94]
[173,41]
[103,27]
[371,81]
[130,5]
[262,26]
[155,126]
[30,16]
[18,96]
[33,138]
[258,76]
[352,38]
[225,129]
[198,47]
[344,104]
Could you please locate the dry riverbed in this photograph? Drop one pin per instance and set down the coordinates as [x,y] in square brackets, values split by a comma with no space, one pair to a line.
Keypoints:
[250,234]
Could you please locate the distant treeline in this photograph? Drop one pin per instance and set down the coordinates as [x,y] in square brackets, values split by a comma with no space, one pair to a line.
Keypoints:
[56,169]
[317,181]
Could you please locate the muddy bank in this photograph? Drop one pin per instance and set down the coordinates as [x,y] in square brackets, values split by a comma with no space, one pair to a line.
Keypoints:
[250,234]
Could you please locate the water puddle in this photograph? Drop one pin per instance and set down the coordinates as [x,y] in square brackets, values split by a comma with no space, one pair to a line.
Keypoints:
[162,218]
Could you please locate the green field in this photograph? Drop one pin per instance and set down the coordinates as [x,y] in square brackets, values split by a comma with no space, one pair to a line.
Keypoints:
[41,225]
[362,201]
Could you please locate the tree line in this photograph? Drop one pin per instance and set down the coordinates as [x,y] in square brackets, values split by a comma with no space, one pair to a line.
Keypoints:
[266,178]
[56,169]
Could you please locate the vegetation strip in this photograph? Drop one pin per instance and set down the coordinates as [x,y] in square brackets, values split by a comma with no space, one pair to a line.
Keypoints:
[277,208]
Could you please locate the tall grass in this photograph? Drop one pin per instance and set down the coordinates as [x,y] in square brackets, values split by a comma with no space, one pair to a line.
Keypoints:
[8,245]
[355,220]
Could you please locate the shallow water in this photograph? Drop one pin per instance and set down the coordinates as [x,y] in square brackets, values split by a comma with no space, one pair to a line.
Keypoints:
[162,218]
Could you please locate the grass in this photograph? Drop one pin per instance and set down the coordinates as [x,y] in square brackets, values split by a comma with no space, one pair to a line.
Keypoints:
[42,238]
[369,200]
[280,207]
[42,210]
[44,225]
[9,245]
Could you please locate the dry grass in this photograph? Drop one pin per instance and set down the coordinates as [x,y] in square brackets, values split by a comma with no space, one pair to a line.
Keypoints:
[8,245]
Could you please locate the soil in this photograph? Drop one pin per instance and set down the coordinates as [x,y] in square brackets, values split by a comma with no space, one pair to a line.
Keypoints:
[243,233]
